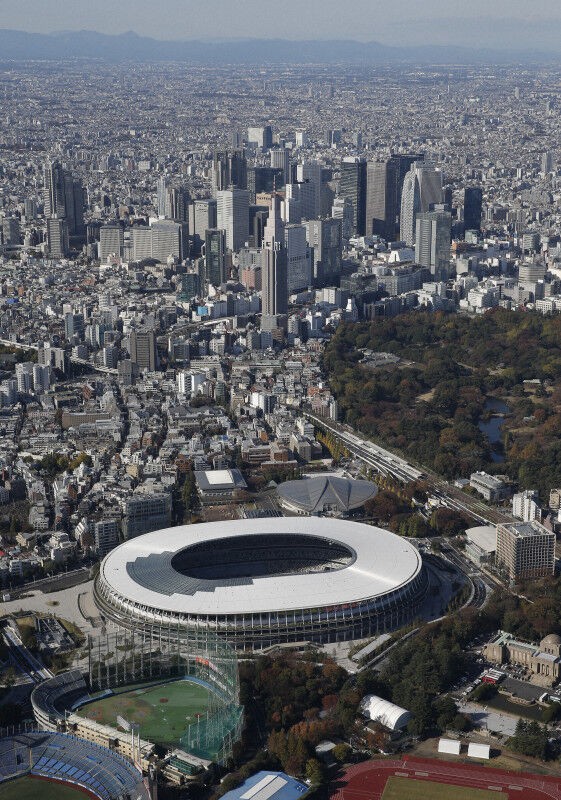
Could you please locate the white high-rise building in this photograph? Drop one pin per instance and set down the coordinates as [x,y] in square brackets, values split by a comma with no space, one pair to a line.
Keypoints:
[432,242]
[232,214]
[274,292]
[525,506]
[422,190]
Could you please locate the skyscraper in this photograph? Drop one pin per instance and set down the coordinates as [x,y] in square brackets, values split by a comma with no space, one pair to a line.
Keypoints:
[260,136]
[299,273]
[111,241]
[324,237]
[232,215]
[215,256]
[432,242]
[274,265]
[169,238]
[57,237]
[422,190]
[228,170]
[63,197]
[353,185]
[280,159]
[162,187]
[310,172]
[384,186]
[473,199]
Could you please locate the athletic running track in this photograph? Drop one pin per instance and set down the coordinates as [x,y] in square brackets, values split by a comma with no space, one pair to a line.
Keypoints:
[367,781]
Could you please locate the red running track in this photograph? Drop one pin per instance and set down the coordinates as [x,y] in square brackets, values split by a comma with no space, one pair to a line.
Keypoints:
[367,781]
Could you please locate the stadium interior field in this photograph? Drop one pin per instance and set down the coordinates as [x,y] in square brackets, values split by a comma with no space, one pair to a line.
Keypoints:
[410,789]
[163,712]
[28,788]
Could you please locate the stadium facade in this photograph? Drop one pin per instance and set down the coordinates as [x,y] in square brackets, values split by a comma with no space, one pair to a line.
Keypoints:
[262,582]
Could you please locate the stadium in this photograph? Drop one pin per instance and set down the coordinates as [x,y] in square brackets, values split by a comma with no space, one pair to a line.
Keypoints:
[68,767]
[262,582]
[179,696]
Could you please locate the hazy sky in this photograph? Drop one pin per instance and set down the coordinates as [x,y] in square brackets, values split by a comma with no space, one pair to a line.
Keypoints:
[502,23]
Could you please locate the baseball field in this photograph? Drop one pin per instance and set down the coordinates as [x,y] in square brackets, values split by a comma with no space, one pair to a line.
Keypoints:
[162,712]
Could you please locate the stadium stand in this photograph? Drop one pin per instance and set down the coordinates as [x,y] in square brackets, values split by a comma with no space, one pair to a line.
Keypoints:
[60,757]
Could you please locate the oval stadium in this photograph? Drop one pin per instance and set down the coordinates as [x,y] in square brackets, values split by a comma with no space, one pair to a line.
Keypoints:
[264,581]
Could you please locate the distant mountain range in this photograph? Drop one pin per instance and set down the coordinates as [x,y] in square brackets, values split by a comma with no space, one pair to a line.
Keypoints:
[19,45]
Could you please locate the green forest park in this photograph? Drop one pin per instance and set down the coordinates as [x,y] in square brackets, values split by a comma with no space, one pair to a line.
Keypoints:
[429,405]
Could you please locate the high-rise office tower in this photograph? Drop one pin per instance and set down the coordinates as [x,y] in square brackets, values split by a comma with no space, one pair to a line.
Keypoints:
[215,256]
[274,265]
[299,202]
[473,200]
[342,209]
[11,234]
[353,185]
[432,242]
[64,197]
[299,265]
[204,218]
[264,179]
[176,204]
[141,242]
[143,349]
[228,169]
[547,162]
[54,189]
[260,137]
[169,238]
[384,185]
[161,188]
[280,159]
[111,242]
[57,237]
[422,190]
[311,172]
[325,240]
[232,215]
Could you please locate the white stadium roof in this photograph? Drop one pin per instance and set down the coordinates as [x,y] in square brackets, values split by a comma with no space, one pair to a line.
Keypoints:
[382,562]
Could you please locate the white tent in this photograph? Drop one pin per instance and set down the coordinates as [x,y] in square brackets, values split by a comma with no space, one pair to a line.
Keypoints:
[479,750]
[450,746]
[387,714]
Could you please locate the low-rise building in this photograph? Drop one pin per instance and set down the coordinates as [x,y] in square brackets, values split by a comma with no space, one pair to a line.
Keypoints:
[543,662]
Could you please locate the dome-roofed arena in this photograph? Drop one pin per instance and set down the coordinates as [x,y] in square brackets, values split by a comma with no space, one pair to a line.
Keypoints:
[325,494]
[264,581]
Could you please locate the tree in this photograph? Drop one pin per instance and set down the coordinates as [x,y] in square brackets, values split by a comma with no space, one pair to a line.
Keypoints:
[341,752]
[315,772]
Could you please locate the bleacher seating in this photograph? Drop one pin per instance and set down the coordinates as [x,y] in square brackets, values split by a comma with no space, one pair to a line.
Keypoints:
[59,756]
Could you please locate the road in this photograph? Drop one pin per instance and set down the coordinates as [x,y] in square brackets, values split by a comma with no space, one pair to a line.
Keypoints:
[21,657]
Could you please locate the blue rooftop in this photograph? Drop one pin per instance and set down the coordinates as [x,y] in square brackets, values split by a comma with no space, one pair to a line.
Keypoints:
[268,786]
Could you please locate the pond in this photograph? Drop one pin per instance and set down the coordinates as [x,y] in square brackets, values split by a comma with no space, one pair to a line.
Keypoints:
[491,424]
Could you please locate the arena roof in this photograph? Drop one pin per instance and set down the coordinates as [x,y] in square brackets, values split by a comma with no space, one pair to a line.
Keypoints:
[268,786]
[313,494]
[141,569]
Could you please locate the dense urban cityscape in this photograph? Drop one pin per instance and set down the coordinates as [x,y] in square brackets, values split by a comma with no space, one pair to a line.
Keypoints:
[280,402]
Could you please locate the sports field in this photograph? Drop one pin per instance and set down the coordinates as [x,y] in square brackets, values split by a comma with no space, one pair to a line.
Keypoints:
[163,712]
[408,789]
[28,788]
